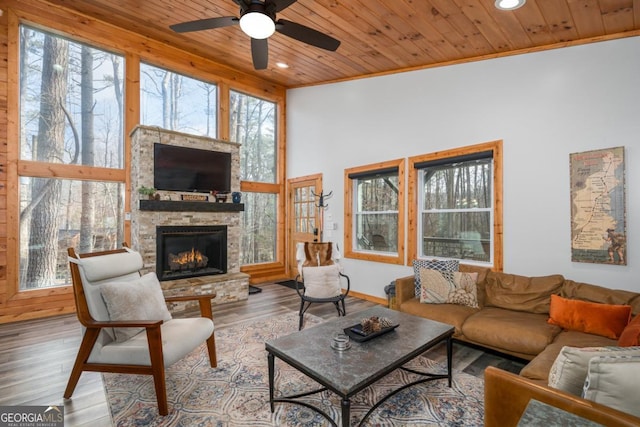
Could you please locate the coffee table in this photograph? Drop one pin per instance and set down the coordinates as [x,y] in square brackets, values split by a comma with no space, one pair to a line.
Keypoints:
[345,373]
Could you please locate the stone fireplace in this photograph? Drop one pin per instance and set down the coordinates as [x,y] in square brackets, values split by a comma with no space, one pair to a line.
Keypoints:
[171,224]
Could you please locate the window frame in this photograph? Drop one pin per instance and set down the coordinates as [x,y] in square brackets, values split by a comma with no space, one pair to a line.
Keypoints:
[414,185]
[349,213]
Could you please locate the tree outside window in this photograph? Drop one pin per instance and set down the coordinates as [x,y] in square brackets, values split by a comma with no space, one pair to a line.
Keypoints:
[374,213]
[253,124]
[456,210]
[71,116]
[172,101]
[455,207]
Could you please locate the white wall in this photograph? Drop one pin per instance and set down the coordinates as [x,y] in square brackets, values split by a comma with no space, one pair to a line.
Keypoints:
[543,105]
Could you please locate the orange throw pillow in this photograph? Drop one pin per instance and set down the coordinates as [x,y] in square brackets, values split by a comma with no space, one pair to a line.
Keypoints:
[631,334]
[607,320]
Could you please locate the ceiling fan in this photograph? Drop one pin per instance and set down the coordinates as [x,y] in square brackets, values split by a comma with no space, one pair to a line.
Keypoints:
[258,21]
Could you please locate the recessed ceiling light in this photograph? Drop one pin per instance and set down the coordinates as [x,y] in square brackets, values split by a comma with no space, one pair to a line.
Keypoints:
[282,65]
[509,4]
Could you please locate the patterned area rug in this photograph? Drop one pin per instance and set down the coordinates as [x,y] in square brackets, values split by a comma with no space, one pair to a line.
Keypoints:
[236,393]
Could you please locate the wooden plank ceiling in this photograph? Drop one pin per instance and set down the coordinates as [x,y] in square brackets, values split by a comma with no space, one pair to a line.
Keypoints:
[378,36]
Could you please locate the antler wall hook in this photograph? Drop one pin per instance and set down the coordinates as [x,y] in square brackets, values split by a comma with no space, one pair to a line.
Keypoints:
[322,197]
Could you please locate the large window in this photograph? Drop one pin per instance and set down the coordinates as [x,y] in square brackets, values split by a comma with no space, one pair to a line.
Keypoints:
[71,154]
[252,123]
[176,102]
[456,200]
[456,205]
[374,212]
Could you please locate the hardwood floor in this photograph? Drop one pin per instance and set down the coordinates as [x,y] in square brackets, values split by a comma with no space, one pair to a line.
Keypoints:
[36,356]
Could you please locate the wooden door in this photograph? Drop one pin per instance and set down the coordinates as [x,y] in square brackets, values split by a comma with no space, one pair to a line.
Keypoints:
[302,216]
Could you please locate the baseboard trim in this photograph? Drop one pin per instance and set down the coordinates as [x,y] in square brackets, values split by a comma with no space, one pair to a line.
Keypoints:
[370,298]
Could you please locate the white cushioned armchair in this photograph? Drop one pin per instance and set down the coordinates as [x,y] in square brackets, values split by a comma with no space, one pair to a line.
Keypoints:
[127,326]
[320,278]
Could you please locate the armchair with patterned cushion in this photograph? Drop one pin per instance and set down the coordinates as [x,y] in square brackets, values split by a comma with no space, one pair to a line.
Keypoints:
[127,327]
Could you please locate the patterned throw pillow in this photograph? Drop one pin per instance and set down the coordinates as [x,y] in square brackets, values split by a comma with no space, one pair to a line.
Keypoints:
[448,287]
[435,286]
[435,264]
[465,291]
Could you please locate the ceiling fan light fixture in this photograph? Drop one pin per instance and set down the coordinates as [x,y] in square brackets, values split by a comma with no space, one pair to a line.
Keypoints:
[257,25]
[509,4]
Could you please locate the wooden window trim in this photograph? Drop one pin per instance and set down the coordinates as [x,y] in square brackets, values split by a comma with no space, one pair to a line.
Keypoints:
[412,188]
[349,251]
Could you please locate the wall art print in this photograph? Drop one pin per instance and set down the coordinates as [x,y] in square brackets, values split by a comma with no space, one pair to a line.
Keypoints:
[598,212]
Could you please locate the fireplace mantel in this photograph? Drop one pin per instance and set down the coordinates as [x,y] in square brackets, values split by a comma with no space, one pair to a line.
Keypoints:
[185,206]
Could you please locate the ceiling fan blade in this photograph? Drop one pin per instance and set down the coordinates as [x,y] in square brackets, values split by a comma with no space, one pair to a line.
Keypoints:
[244,4]
[205,24]
[283,4]
[306,35]
[260,53]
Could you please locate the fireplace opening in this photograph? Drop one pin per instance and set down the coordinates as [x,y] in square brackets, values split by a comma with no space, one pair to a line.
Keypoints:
[190,251]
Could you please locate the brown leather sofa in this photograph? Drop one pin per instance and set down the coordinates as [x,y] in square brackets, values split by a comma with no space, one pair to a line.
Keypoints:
[513,313]
[507,395]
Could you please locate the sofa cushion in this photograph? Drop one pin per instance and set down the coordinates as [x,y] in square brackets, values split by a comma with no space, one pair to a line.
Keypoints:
[179,338]
[515,331]
[613,381]
[448,287]
[521,293]
[569,370]
[451,314]
[631,333]
[608,320]
[539,367]
[434,264]
[594,293]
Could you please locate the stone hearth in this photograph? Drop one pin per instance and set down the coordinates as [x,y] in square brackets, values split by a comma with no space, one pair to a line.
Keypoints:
[170,210]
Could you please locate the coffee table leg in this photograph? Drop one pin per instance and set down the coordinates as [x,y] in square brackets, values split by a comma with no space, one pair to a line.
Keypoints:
[270,359]
[346,412]
[449,358]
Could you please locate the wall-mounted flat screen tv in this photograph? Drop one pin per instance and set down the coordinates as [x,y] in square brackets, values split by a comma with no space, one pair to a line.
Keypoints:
[190,169]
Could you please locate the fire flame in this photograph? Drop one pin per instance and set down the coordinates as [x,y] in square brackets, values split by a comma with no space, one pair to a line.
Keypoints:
[189,257]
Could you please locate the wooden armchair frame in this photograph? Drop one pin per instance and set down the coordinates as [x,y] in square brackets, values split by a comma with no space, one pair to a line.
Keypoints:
[153,331]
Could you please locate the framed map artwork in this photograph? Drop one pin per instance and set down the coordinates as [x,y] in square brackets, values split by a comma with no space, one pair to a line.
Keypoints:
[598,214]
